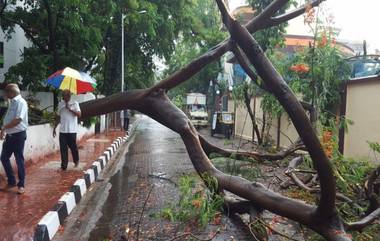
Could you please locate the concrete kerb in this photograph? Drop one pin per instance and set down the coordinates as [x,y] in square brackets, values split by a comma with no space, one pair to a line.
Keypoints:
[102,160]
[50,223]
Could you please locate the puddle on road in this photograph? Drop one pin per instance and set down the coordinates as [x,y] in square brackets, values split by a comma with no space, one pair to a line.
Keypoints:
[120,187]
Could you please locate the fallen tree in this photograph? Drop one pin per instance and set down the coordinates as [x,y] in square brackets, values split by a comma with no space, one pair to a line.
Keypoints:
[322,217]
[259,156]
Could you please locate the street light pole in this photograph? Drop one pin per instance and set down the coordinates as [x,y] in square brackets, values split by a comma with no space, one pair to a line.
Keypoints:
[122,52]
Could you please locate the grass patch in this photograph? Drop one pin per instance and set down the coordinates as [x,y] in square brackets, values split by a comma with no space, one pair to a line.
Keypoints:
[246,169]
[197,204]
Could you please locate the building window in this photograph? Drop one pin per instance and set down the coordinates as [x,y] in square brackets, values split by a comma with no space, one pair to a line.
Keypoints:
[1,55]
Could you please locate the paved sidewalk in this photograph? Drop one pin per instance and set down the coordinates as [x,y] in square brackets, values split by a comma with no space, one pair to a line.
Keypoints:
[45,184]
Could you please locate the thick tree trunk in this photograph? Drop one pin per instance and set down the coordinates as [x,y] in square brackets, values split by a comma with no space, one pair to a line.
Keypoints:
[113,59]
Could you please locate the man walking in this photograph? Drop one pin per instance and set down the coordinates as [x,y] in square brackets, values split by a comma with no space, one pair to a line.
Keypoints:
[124,114]
[68,112]
[14,129]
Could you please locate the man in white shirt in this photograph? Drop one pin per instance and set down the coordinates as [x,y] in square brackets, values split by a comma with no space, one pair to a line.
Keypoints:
[68,112]
[14,128]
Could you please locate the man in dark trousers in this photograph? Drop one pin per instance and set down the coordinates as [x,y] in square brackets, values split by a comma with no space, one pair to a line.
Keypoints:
[68,112]
[125,119]
[14,128]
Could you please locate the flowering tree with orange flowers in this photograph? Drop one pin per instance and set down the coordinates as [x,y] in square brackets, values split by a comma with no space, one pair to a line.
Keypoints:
[318,74]
[320,70]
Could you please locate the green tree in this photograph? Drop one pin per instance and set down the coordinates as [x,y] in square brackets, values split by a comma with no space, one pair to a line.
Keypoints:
[147,35]
[318,73]
[202,32]
[272,37]
[86,35]
[63,33]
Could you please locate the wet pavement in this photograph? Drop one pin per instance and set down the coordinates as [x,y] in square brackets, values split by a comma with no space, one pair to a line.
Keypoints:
[141,184]
[45,184]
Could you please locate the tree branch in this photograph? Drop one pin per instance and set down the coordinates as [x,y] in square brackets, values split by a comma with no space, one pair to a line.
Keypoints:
[50,18]
[240,155]
[247,102]
[290,172]
[292,14]
[279,88]
[365,221]
[370,192]
[261,21]
[3,5]
[52,35]
[29,34]
[244,63]
[292,168]
[194,67]
[154,103]
[158,106]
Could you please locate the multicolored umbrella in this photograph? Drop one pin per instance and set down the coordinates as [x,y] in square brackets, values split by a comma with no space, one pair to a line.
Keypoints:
[73,80]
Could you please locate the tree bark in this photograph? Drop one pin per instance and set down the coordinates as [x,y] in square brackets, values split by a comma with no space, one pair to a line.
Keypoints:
[373,197]
[360,225]
[112,75]
[240,155]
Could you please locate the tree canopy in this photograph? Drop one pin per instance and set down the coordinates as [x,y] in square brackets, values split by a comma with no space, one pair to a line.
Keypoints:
[203,33]
[86,35]
[62,33]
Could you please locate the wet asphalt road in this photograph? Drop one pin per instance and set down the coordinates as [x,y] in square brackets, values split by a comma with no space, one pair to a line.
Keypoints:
[122,205]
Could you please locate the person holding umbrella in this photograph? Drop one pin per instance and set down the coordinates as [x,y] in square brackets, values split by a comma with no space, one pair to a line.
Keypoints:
[70,81]
[68,112]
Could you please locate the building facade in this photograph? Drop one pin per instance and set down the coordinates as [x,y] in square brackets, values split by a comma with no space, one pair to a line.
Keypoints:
[11,50]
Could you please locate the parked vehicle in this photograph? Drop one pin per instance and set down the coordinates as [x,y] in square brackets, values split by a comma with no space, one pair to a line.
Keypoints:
[196,109]
[222,123]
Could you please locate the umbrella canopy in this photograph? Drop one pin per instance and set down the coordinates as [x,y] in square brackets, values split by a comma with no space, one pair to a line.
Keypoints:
[73,80]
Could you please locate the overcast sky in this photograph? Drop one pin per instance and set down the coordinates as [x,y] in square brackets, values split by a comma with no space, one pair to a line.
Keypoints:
[357,19]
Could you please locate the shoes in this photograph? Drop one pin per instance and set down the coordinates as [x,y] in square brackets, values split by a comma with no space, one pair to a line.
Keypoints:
[76,164]
[21,190]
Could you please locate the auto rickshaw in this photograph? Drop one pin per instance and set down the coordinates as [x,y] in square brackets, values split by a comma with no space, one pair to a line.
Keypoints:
[222,123]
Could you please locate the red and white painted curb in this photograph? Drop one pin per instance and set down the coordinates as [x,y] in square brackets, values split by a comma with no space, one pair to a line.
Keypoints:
[50,223]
